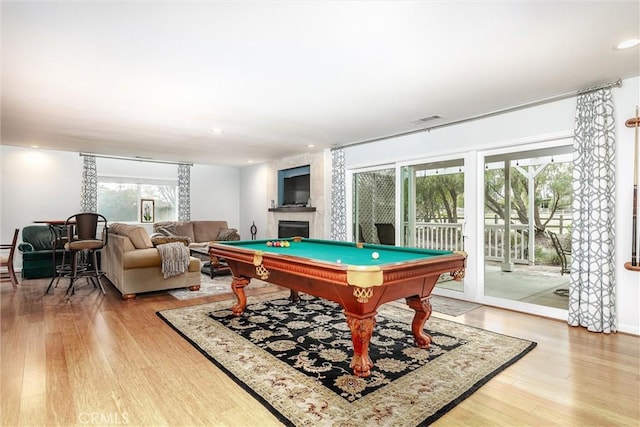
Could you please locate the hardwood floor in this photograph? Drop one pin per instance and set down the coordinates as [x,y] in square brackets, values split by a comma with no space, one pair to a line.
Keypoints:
[98,360]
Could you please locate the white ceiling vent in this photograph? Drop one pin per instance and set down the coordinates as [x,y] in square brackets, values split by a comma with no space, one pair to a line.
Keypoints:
[425,119]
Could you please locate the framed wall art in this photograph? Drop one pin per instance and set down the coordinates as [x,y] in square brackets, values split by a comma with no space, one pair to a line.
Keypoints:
[147,210]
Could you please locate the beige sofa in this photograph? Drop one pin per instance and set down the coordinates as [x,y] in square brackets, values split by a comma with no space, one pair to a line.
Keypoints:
[132,263]
[200,233]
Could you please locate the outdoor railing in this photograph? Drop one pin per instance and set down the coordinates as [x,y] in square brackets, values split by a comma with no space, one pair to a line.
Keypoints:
[495,243]
[433,235]
[448,237]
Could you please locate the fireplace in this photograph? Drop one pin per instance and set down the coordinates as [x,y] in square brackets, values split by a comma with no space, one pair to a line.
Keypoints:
[293,228]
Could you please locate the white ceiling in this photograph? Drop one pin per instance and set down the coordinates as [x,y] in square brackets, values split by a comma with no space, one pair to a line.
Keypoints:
[153,78]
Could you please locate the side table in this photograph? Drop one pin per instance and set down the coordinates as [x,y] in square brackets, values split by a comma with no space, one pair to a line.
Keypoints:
[213,266]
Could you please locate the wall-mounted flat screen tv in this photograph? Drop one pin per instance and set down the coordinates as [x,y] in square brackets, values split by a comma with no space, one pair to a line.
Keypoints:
[294,186]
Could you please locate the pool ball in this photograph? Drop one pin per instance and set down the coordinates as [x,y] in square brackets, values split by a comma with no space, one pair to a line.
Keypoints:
[375,255]
[269,243]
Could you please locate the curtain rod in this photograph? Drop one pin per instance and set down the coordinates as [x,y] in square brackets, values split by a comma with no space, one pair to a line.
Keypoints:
[529,104]
[136,159]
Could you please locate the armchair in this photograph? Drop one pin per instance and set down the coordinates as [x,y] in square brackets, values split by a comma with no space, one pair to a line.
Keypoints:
[39,258]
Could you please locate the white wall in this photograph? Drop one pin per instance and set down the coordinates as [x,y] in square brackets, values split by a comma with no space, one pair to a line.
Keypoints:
[37,185]
[215,194]
[254,200]
[535,124]
[503,130]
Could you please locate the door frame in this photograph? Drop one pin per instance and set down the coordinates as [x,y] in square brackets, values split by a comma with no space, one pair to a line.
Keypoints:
[469,159]
[479,294]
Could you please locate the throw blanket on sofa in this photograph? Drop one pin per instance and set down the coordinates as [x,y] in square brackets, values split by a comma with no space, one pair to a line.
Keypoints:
[175,258]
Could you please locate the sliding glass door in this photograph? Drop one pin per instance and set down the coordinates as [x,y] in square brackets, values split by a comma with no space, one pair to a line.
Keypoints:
[509,210]
[433,209]
[374,206]
[527,223]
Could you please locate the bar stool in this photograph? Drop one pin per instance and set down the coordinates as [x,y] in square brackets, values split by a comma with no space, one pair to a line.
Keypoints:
[58,240]
[83,243]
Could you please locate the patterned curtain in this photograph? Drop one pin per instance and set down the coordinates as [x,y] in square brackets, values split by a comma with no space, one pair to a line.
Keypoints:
[184,192]
[338,196]
[89,186]
[592,286]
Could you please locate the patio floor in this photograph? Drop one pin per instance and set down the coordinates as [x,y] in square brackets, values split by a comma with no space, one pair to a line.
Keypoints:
[534,284]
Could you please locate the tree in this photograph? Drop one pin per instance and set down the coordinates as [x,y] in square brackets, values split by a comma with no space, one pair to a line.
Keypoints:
[552,188]
[438,197]
[118,202]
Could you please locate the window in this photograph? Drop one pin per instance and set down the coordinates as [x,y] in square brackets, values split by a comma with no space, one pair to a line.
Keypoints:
[119,198]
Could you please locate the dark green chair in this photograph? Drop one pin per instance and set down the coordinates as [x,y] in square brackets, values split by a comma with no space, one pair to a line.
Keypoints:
[38,257]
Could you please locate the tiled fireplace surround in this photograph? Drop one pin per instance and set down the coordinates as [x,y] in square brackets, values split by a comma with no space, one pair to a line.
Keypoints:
[315,219]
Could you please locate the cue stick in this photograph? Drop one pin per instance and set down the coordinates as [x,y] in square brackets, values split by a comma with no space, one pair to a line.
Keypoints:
[634,232]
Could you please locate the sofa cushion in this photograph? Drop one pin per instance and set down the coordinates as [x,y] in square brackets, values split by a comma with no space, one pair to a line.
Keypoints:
[136,233]
[206,231]
[228,234]
[199,245]
[167,228]
[161,240]
[199,231]
[185,229]
[150,258]
[142,258]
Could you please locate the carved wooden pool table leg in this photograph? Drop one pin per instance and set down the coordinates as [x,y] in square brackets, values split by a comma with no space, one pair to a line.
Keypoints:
[237,286]
[361,330]
[422,307]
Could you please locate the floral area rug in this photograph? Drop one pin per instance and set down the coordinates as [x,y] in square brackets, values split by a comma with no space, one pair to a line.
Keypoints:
[294,358]
[222,285]
[449,306]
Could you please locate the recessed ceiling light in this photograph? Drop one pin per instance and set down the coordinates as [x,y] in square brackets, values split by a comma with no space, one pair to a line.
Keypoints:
[310,145]
[249,161]
[627,44]
[34,146]
[215,131]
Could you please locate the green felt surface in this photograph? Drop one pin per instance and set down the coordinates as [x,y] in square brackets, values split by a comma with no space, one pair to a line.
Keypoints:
[347,252]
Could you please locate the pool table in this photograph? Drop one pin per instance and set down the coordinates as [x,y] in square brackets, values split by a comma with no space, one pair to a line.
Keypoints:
[358,276]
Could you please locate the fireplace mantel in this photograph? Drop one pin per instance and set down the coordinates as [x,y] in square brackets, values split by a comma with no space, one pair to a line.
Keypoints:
[299,214]
[293,209]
